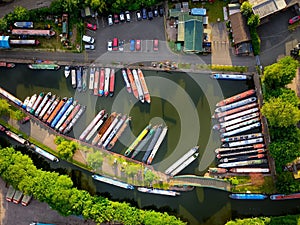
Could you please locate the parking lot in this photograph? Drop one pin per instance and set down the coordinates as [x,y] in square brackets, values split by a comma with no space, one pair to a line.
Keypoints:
[275,34]
[144,30]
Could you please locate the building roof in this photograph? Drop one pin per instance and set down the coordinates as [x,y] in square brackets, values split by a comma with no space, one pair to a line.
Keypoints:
[240,30]
[263,8]
[193,36]
[174,12]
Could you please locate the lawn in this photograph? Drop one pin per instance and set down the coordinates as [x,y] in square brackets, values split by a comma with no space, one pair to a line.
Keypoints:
[214,9]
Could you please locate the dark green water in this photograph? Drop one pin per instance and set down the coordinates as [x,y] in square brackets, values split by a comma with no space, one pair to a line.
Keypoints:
[184,102]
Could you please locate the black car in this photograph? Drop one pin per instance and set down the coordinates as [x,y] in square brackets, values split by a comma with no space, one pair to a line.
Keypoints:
[161,11]
[150,14]
[155,12]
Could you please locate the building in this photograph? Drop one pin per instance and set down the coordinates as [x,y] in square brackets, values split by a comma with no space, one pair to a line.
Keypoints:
[264,8]
[241,38]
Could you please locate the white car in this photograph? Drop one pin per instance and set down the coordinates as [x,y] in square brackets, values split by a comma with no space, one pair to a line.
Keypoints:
[89,47]
[110,20]
[109,46]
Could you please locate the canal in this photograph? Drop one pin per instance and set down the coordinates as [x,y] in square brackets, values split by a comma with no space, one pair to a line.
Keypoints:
[182,101]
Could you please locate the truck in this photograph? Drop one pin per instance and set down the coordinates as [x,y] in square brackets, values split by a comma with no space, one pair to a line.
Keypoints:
[10,193]
[17,197]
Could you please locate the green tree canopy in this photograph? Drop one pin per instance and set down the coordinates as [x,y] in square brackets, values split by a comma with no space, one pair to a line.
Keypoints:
[95,159]
[253,21]
[280,74]
[57,191]
[4,106]
[285,94]
[246,9]
[280,113]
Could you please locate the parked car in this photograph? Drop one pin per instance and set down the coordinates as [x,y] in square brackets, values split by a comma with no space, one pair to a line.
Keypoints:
[91,26]
[89,47]
[115,44]
[110,20]
[122,17]
[294,19]
[138,45]
[150,14]
[132,45]
[109,46]
[121,45]
[155,44]
[127,15]
[138,15]
[25,120]
[116,18]
[144,13]
[161,11]
[88,39]
[155,12]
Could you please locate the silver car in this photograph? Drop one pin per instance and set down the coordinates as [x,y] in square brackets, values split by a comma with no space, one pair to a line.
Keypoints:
[89,47]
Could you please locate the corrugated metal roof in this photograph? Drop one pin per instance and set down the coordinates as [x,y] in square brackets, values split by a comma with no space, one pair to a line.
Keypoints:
[193,36]
[264,8]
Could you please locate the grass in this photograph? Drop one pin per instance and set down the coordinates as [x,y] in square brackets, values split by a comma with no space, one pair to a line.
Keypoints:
[245,184]
[184,66]
[214,9]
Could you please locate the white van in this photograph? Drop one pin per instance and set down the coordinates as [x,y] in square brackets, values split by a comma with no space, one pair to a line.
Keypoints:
[88,39]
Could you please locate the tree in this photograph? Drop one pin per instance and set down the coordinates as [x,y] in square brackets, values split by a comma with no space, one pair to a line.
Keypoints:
[253,21]
[18,114]
[285,94]
[56,190]
[21,14]
[99,5]
[280,74]
[3,24]
[95,159]
[149,176]
[4,106]
[66,149]
[246,9]
[280,113]
[283,152]
[286,183]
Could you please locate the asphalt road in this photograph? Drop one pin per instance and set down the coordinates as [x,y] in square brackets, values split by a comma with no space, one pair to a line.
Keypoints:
[274,35]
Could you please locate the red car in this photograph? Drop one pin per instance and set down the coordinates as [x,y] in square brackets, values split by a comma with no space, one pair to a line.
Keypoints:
[91,26]
[116,18]
[155,44]
[294,19]
[138,45]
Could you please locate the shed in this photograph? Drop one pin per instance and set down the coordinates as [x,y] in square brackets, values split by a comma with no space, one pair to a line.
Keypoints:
[193,36]
[264,8]
[198,12]
[4,42]
[240,30]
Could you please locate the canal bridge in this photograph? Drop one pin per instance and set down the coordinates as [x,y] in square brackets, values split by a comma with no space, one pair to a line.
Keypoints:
[197,181]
